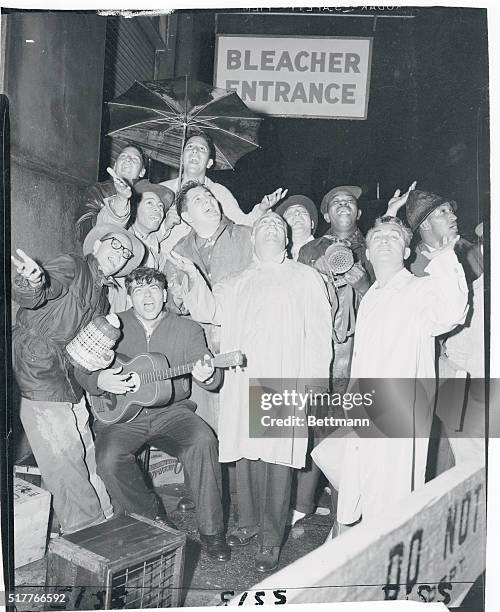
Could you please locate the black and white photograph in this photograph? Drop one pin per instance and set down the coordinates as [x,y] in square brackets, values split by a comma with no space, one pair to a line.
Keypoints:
[246,306]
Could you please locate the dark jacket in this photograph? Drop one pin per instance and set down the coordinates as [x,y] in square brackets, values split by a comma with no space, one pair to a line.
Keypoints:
[93,202]
[231,253]
[313,250]
[345,300]
[50,316]
[181,340]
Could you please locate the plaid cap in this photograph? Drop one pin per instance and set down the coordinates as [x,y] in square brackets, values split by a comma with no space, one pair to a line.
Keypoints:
[420,204]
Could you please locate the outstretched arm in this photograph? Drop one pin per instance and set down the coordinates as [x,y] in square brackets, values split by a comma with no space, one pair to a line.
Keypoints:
[398,200]
[34,285]
[200,301]
[445,292]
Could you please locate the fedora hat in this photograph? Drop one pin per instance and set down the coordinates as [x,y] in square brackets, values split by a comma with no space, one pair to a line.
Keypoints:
[99,231]
[300,200]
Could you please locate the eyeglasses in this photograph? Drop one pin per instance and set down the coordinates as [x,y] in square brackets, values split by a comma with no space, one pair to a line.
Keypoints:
[118,246]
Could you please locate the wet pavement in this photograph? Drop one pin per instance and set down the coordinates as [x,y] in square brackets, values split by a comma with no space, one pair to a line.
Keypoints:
[206,581]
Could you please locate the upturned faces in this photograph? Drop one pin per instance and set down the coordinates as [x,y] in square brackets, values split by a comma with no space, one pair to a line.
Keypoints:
[130,164]
[343,213]
[196,158]
[440,226]
[299,220]
[198,207]
[269,237]
[150,213]
[112,252]
[387,245]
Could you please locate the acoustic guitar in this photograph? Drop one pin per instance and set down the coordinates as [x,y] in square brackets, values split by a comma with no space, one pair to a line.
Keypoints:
[151,375]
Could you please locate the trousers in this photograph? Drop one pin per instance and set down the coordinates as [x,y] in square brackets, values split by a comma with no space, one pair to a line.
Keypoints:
[177,431]
[61,441]
[263,491]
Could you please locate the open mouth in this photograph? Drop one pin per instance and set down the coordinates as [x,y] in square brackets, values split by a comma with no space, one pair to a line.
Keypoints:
[149,306]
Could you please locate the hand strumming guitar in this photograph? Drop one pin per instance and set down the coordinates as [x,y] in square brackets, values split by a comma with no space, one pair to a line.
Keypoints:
[113,381]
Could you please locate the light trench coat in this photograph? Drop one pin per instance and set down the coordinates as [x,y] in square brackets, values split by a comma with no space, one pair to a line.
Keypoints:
[278,314]
[395,338]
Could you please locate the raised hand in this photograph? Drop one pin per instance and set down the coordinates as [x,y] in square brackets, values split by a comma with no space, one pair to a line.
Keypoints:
[270,200]
[183,263]
[202,370]
[448,244]
[398,200]
[171,219]
[123,189]
[28,268]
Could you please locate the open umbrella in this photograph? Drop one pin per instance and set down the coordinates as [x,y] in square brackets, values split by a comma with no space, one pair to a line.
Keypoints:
[156,115]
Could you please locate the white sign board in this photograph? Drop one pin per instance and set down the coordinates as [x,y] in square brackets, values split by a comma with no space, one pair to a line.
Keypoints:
[318,77]
[430,547]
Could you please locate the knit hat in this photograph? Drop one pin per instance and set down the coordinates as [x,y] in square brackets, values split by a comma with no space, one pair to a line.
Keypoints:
[420,204]
[165,194]
[352,190]
[300,200]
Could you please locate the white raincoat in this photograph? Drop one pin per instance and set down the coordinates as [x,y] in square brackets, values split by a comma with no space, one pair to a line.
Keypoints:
[278,314]
[395,338]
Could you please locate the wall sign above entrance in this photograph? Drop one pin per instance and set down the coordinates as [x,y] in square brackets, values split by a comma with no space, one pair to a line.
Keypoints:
[318,77]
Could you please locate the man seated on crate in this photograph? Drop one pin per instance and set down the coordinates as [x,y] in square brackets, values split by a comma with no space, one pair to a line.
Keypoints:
[148,327]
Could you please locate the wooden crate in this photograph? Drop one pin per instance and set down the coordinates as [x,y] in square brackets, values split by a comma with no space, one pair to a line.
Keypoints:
[31,521]
[127,562]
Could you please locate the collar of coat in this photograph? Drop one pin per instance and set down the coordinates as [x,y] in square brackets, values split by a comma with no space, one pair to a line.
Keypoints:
[96,272]
[355,239]
[224,225]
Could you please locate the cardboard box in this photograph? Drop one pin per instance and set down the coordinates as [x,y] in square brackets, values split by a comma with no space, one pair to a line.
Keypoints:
[31,521]
[164,469]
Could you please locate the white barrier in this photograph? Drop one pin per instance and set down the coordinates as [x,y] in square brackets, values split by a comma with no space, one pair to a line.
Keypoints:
[431,547]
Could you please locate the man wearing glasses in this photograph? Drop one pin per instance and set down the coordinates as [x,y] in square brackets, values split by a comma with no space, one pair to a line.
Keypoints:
[56,301]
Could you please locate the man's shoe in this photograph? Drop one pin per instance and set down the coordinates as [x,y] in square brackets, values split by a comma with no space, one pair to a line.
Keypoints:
[185,504]
[242,535]
[216,546]
[266,560]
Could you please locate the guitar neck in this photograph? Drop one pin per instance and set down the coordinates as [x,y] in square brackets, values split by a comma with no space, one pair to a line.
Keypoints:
[165,374]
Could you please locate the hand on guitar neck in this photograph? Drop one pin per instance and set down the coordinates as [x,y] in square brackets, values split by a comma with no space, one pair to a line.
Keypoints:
[203,370]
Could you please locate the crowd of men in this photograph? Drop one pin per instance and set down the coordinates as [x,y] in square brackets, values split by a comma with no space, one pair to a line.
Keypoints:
[190,275]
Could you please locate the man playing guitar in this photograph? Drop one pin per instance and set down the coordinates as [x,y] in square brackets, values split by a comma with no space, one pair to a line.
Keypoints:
[148,327]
